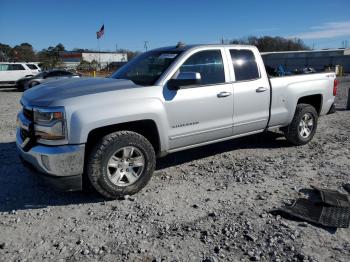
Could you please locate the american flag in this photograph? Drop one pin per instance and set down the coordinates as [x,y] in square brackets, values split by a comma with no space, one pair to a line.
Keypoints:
[100,33]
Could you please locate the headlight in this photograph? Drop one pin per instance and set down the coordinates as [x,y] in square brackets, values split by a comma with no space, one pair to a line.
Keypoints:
[50,125]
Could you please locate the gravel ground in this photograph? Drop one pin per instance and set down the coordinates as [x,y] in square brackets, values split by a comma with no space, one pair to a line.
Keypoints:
[207,204]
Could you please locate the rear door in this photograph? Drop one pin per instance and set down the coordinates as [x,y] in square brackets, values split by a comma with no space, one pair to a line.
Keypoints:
[11,72]
[251,91]
[18,71]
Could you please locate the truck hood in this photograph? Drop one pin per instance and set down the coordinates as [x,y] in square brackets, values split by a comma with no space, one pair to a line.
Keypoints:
[44,94]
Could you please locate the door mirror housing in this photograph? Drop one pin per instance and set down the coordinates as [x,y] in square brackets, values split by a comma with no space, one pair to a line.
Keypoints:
[184,79]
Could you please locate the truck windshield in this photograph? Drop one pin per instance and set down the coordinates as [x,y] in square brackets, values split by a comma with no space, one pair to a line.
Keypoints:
[146,68]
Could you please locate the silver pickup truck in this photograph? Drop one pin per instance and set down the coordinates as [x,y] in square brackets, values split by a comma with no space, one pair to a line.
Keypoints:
[109,131]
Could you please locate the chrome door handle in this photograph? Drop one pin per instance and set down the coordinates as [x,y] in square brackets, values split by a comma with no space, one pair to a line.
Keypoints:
[261,89]
[224,94]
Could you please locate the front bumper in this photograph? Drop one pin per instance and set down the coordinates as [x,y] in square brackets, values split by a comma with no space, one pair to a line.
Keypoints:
[62,165]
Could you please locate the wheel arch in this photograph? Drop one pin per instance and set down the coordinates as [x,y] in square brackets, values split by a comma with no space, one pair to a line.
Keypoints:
[148,128]
[313,100]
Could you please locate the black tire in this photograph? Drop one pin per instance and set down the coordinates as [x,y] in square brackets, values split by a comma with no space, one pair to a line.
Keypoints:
[20,87]
[292,133]
[102,152]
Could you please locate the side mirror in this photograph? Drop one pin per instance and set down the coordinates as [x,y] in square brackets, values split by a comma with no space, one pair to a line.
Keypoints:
[184,79]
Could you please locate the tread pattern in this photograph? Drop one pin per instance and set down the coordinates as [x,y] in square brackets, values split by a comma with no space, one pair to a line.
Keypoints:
[96,169]
[291,131]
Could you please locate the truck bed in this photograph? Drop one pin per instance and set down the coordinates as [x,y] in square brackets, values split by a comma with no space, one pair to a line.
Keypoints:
[286,91]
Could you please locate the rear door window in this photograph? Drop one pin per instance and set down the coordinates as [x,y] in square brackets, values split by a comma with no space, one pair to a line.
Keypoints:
[65,73]
[53,74]
[16,67]
[32,66]
[244,65]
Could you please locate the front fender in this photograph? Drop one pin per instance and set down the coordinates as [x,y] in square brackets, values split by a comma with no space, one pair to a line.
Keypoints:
[87,118]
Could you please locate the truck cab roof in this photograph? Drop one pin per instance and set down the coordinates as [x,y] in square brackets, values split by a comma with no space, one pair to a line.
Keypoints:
[185,47]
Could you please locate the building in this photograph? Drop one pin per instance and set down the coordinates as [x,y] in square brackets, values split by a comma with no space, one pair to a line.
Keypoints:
[318,59]
[71,59]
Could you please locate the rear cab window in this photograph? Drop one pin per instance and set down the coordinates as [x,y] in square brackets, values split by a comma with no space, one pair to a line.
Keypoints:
[244,65]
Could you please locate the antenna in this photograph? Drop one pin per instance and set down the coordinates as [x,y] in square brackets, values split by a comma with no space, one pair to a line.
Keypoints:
[146,45]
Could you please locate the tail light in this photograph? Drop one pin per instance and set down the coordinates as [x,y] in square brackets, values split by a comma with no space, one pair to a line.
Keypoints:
[335,86]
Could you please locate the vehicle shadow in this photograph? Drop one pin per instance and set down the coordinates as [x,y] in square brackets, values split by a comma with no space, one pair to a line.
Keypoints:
[10,90]
[268,140]
[21,190]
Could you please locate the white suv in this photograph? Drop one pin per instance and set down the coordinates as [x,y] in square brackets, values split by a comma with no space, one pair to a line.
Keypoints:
[11,72]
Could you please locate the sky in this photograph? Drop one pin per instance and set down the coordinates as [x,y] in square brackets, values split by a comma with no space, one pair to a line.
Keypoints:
[129,23]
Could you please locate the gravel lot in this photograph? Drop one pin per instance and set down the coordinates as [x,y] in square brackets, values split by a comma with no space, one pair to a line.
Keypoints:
[209,203]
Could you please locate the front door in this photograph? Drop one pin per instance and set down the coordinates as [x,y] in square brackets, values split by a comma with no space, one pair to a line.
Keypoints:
[203,112]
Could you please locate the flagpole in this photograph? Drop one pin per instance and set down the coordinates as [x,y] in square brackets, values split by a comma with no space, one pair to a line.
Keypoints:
[99,54]
[99,34]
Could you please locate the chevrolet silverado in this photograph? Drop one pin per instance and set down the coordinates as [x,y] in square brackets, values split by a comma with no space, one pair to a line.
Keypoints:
[110,131]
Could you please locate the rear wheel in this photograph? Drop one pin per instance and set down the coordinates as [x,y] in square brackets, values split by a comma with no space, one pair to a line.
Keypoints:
[303,126]
[121,163]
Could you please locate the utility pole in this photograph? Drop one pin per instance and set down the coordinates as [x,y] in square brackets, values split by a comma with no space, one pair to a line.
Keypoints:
[222,40]
[146,45]
[116,47]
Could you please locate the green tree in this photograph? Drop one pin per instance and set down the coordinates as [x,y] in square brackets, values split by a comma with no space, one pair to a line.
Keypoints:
[84,65]
[23,52]
[50,57]
[94,65]
[5,52]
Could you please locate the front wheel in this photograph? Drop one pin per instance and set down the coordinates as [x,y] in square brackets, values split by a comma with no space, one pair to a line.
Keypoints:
[303,126]
[120,164]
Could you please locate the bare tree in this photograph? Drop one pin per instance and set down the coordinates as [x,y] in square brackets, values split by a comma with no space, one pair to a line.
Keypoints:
[270,44]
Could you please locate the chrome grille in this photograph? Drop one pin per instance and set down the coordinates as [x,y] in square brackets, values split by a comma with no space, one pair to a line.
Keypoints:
[27,120]
[24,134]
